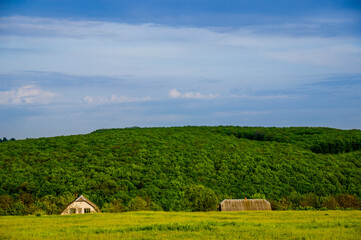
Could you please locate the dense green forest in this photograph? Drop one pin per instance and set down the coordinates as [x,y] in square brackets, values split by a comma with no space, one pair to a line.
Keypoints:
[182,169]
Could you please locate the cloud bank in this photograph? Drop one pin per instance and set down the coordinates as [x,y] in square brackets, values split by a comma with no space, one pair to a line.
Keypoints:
[76,76]
[160,52]
[29,94]
[114,99]
[174,93]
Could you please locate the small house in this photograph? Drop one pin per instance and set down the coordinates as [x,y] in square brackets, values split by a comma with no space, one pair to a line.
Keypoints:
[244,205]
[79,206]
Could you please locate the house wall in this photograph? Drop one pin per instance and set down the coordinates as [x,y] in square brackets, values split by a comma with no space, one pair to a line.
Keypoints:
[78,205]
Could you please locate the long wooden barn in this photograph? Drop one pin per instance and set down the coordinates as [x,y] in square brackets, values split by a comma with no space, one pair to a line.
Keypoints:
[245,205]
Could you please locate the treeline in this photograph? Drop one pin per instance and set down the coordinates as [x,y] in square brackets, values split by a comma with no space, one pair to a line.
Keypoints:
[26,205]
[194,201]
[176,169]
[5,139]
[311,201]
[337,145]
[193,198]
[318,140]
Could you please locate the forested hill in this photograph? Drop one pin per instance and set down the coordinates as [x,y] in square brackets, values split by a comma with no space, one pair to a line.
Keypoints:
[181,168]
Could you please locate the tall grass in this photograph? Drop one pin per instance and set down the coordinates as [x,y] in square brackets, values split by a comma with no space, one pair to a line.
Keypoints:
[185,225]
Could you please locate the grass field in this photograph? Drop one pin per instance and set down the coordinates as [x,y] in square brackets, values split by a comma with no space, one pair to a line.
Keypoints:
[184,225]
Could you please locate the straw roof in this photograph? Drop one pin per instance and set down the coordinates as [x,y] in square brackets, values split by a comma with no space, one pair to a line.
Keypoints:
[84,199]
[245,205]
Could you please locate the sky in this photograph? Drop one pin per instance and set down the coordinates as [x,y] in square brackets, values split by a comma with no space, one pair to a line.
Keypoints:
[71,67]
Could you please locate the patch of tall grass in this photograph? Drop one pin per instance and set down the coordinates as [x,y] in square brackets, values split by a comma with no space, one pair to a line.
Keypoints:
[187,225]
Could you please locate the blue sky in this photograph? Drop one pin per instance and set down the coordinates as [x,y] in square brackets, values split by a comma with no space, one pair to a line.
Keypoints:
[70,67]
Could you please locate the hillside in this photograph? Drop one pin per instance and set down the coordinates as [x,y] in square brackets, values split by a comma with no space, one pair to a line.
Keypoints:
[172,168]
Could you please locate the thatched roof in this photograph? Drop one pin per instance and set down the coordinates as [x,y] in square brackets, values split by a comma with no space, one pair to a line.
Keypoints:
[245,205]
[84,199]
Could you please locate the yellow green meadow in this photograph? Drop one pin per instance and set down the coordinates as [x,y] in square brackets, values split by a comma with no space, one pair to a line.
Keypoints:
[187,225]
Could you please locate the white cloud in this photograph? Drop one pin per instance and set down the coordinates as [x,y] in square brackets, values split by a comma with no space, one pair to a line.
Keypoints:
[29,94]
[157,58]
[174,93]
[114,99]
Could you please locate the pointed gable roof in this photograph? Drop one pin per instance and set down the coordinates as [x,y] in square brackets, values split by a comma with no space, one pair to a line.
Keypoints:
[84,199]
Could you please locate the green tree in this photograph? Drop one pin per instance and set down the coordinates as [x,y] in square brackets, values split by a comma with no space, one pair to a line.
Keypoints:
[311,200]
[200,198]
[6,205]
[115,206]
[330,202]
[258,196]
[138,204]
[348,201]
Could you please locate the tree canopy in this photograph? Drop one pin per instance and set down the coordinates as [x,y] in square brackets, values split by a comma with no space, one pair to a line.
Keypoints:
[180,168]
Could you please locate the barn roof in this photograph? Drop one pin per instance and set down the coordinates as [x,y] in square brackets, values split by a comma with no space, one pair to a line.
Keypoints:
[245,204]
[84,199]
